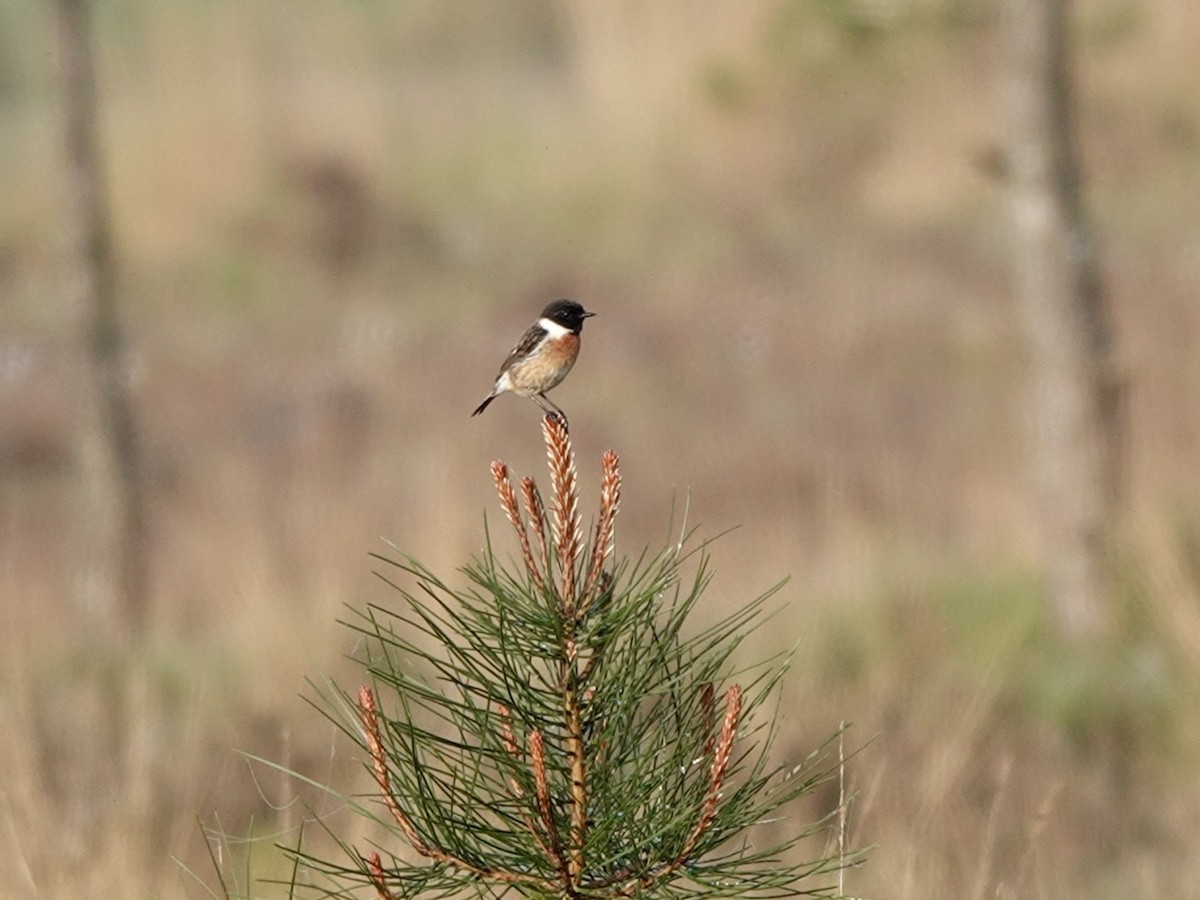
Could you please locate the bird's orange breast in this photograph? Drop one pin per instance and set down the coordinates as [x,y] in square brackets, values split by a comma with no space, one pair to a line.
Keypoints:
[545,368]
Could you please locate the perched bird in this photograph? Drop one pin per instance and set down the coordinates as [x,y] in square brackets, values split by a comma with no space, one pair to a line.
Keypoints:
[543,356]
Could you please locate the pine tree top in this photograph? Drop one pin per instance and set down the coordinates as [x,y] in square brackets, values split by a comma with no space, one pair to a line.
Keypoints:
[553,728]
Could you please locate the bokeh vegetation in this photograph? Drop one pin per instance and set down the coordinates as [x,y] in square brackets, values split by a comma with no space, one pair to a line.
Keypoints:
[332,221]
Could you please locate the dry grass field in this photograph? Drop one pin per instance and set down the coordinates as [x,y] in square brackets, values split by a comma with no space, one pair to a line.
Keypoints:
[333,219]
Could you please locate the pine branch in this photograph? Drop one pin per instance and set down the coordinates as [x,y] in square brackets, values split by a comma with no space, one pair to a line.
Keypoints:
[370,721]
[567,536]
[602,544]
[537,516]
[542,783]
[577,755]
[379,877]
[719,768]
[508,501]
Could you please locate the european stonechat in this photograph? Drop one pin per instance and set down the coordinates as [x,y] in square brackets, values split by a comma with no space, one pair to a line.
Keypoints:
[543,356]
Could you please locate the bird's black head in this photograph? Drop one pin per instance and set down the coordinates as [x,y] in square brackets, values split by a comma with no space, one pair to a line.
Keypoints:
[566,313]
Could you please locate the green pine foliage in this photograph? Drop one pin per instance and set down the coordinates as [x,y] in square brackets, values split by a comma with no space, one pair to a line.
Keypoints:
[553,728]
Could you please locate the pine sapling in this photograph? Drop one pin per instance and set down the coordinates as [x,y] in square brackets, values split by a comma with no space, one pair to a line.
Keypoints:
[553,728]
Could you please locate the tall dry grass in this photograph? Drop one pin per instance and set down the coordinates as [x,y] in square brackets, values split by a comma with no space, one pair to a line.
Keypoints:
[797,257]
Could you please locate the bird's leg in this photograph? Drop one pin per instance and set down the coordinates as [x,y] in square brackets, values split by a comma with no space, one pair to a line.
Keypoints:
[549,406]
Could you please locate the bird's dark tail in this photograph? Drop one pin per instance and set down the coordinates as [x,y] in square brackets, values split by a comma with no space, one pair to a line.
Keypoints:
[484,405]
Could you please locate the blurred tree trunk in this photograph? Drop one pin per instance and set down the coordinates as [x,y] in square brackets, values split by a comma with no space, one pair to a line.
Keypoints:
[1066,318]
[112,516]
[111,521]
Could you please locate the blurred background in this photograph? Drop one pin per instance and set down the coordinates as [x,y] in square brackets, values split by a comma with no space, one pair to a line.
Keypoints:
[331,222]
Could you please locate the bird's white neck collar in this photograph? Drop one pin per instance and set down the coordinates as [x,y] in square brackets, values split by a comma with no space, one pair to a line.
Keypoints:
[552,328]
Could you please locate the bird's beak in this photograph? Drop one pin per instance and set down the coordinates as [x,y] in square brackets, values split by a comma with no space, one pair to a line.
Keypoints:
[588,315]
